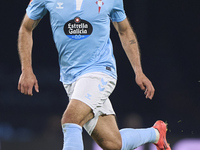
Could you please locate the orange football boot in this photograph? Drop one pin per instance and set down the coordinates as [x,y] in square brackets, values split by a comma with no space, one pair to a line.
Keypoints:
[162,129]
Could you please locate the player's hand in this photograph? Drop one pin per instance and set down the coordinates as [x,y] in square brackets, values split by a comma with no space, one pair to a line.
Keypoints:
[145,85]
[26,83]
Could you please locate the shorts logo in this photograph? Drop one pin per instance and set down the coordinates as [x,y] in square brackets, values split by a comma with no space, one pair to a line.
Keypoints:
[99,3]
[88,96]
[78,29]
[101,86]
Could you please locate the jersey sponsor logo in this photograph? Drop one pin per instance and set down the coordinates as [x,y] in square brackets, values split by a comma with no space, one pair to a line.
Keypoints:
[99,3]
[78,29]
[59,5]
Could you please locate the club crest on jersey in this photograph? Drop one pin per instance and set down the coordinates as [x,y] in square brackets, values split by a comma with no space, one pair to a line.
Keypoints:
[78,29]
[100,3]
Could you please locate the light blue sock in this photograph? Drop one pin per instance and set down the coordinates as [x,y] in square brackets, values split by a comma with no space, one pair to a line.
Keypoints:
[72,137]
[132,138]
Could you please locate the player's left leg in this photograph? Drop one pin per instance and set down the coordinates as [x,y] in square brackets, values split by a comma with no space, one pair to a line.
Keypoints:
[107,135]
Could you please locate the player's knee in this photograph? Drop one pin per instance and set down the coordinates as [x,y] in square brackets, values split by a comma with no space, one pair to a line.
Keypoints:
[70,117]
[112,145]
[67,118]
[77,112]
[63,120]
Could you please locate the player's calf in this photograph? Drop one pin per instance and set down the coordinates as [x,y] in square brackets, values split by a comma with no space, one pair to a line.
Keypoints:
[109,145]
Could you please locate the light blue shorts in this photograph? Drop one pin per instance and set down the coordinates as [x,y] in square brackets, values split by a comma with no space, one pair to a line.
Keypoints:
[93,89]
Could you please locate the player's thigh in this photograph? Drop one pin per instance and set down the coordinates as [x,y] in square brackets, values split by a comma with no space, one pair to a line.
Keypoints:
[106,133]
[77,112]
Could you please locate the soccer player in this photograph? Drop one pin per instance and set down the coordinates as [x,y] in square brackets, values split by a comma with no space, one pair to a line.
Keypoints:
[81,31]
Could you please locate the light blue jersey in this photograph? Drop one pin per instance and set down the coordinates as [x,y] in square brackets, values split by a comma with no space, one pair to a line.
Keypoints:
[81,31]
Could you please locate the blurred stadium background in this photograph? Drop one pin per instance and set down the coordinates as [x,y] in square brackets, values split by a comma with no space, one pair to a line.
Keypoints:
[168,33]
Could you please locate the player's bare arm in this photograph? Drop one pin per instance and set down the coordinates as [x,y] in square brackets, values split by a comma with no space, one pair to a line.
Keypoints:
[131,47]
[27,79]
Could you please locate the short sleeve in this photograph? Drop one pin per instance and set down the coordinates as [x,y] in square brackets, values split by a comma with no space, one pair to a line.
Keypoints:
[36,9]
[118,13]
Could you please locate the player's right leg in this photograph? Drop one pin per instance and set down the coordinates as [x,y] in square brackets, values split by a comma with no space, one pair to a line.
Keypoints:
[87,95]
[74,117]
[77,112]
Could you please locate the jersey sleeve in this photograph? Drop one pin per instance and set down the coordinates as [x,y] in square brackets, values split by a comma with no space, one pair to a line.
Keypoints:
[36,9]
[118,13]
